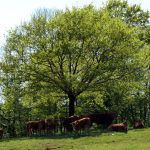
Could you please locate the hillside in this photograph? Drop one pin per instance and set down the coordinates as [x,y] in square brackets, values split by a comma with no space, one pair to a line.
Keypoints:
[133,140]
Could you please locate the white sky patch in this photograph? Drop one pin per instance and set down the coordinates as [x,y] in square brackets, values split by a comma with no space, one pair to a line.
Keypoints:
[13,12]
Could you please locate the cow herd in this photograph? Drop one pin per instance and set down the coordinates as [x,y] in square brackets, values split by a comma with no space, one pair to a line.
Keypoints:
[42,126]
[69,124]
[77,124]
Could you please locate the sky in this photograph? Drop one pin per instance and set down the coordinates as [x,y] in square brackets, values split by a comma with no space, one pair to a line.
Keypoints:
[13,12]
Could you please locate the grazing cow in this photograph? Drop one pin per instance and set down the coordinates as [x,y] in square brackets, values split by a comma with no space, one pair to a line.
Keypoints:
[120,127]
[104,119]
[32,127]
[1,133]
[81,124]
[138,124]
[61,124]
[51,125]
[67,123]
[41,126]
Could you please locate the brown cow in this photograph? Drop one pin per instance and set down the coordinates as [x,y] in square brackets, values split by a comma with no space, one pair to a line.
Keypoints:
[32,127]
[51,125]
[138,124]
[105,118]
[67,123]
[120,127]
[1,133]
[81,124]
[41,126]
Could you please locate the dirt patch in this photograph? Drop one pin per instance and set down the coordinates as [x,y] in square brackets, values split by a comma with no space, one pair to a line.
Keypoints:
[51,146]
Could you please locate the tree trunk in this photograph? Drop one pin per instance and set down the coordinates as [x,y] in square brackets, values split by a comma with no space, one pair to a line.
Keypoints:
[72,100]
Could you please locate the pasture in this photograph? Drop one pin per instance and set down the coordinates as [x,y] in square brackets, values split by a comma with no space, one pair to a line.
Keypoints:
[137,139]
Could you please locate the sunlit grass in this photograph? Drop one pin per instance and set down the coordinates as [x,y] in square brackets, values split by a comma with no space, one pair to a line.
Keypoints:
[133,140]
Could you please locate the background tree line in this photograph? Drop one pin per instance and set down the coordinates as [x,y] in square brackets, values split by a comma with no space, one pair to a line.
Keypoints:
[77,61]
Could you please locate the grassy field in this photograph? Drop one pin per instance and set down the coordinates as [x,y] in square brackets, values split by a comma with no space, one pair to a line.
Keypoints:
[133,140]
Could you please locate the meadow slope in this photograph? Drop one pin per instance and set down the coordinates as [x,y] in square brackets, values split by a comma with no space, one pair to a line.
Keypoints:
[133,140]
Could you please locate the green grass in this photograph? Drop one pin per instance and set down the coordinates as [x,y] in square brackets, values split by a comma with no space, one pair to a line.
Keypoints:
[133,140]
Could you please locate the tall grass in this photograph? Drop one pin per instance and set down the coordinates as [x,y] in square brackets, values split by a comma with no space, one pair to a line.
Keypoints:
[133,140]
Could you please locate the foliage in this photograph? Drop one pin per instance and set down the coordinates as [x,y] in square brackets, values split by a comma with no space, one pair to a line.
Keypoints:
[131,14]
[77,50]
[77,61]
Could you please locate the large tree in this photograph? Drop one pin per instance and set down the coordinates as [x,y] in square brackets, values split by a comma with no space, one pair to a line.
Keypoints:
[76,50]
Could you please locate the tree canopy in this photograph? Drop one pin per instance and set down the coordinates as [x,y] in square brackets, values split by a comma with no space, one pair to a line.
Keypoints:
[73,51]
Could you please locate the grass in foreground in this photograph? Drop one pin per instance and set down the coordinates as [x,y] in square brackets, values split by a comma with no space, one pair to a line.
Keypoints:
[133,140]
